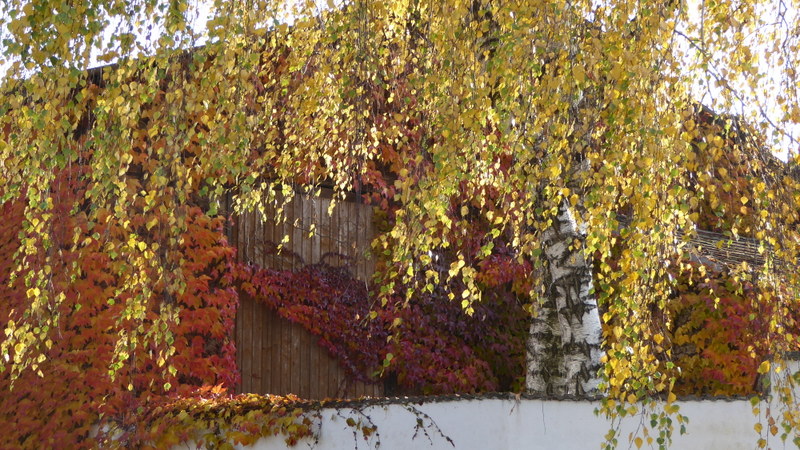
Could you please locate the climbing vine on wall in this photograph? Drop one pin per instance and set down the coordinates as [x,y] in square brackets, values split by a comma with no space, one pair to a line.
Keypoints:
[523,107]
[718,334]
[434,347]
[77,384]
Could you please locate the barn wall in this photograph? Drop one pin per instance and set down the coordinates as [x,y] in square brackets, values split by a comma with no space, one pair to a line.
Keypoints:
[274,355]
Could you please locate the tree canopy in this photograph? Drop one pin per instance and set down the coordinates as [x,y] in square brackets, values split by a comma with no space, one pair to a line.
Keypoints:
[446,114]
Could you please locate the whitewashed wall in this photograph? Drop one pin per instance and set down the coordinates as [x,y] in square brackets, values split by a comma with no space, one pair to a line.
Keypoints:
[524,424]
[508,423]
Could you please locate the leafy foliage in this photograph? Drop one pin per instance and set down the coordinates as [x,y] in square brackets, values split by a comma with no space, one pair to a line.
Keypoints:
[215,420]
[83,379]
[434,347]
[489,112]
[718,335]
[438,348]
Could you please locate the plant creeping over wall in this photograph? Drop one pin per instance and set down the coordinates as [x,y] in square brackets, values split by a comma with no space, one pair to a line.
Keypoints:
[438,348]
[713,328]
[469,124]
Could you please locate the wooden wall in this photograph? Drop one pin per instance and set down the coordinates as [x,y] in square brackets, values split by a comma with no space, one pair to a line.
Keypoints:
[342,238]
[274,355]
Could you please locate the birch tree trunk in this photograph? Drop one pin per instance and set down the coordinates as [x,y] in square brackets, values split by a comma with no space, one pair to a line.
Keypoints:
[565,337]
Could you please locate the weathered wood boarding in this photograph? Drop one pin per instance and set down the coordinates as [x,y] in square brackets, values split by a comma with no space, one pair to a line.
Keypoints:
[274,355]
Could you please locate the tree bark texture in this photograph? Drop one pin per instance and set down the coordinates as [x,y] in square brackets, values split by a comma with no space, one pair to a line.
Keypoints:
[564,345]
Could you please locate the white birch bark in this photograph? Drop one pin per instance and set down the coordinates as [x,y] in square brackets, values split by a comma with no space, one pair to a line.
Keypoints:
[564,345]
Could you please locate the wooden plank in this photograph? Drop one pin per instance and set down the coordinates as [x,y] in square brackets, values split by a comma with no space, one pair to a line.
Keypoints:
[369,390]
[241,347]
[239,327]
[298,234]
[358,241]
[336,378]
[314,371]
[306,348]
[274,336]
[344,220]
[241,232]
[359,389]
[269,229]
[264,318]
[298,244]
[370,231]
[343,235]
[306,343]
[234,240]
[277,234]
[258,240]
[322,374]
[276,324]
[248,238]
[294,361]
[286,231]
[330,370]
[265,349]
[261,377]
[277,369]
[311,212]
[247,345]
[285,359]
[248,366]
[352,237]
[325,238]
[336,231]
[247,309]
[255,328]
[360,238]
[366,237]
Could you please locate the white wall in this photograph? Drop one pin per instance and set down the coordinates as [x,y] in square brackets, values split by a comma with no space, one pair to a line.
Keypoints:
[497,423]
[504,422]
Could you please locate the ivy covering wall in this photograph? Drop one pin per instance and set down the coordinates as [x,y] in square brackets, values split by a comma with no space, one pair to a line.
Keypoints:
[713,329]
